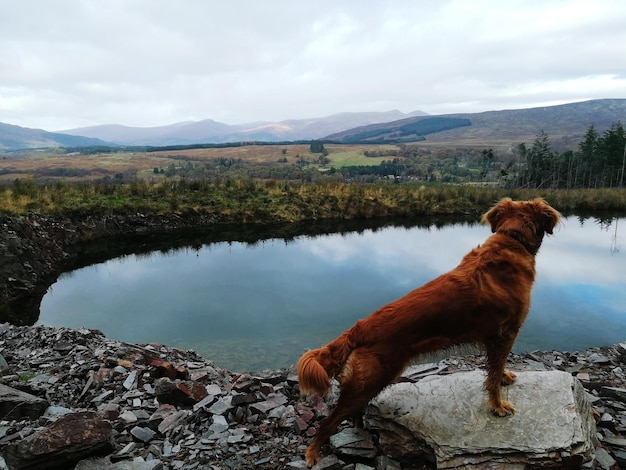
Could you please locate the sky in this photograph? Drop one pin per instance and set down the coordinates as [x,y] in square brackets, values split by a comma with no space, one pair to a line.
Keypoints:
[77,63]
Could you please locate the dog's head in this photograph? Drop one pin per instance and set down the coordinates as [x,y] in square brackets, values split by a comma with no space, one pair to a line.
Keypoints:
[525,221]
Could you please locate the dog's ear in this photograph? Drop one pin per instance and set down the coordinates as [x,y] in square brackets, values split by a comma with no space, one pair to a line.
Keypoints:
[550,216]
[494,215]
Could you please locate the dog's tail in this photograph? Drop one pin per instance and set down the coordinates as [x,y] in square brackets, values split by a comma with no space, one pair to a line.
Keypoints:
[312,376]
[318,366]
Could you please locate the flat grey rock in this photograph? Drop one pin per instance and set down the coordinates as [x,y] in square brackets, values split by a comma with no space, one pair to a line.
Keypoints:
[449,416]
[15,404]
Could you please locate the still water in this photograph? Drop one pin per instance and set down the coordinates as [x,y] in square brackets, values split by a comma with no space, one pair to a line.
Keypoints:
[255,306]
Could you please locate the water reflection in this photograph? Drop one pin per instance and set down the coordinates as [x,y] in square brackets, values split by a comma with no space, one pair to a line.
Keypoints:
[251,306]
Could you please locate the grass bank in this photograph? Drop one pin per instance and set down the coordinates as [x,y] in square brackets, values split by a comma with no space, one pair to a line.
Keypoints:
[240,201]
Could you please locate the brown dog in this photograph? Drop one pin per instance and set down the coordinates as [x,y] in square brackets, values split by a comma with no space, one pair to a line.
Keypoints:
[483,301]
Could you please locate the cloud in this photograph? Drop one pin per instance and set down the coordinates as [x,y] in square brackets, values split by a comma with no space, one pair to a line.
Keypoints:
[72,63]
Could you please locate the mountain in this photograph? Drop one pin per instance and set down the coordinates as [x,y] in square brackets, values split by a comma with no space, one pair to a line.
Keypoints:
[16,137]
[565,125]
[209,131]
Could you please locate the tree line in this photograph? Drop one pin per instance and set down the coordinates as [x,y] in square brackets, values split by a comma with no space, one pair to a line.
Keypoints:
[599,162]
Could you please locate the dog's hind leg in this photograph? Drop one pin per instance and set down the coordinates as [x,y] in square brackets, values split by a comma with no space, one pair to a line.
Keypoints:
[348,405]
[498,349]
[366,378]
[357,419]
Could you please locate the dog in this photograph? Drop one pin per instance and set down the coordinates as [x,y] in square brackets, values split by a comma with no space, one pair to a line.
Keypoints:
[483,302]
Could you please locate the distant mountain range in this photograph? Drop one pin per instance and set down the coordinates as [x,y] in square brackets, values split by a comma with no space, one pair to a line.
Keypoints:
[565,124]
[209,131]
[16,137]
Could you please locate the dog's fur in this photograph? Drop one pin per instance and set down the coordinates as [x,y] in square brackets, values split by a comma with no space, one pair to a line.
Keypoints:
[483,301]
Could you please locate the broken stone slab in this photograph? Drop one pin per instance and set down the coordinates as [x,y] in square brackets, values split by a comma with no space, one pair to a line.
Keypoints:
[615,392]
[106,464]
[62,444]
[603,459]
[354,442]
[446,419]
[15,404]
[179,392]
[329,462]
[4,366]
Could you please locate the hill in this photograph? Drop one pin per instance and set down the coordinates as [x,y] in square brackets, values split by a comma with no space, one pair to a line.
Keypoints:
[565,124]
[16,137]
[210,131]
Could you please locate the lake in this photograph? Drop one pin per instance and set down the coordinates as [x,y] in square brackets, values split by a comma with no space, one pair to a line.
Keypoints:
[254,306]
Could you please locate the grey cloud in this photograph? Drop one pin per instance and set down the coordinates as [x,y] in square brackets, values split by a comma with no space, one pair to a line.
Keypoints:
[74,63]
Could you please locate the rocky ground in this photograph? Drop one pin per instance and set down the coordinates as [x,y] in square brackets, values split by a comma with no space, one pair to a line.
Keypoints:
[75,399]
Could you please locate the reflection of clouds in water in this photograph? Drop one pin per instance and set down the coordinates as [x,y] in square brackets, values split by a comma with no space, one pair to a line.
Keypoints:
[576,253]
[407,254]
[578,299]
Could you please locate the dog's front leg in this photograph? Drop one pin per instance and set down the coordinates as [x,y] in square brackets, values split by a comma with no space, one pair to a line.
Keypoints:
[498,349]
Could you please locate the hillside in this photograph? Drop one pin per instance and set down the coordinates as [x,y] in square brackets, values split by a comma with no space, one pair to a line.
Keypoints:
[16,137]
[565,124]
[210,131]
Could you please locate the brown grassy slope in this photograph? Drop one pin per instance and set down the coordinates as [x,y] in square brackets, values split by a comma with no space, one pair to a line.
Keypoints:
[565,124]
[141,164]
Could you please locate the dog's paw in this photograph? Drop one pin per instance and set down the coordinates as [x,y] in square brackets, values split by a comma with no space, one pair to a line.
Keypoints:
[311,456]
[505,408]
[508,377]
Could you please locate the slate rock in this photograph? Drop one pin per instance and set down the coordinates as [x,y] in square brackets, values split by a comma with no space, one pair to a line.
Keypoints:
[179,392]
[354,442]
[106,464]
[142,433]
[603,459]
[15,404]
[62,444]
[615,392]
[329,462]
[448,417]
[4,366]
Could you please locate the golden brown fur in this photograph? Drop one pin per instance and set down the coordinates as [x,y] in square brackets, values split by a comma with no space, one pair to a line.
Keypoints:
[483,301]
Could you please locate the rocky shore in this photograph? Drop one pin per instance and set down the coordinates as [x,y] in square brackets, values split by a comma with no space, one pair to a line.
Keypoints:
[76,399]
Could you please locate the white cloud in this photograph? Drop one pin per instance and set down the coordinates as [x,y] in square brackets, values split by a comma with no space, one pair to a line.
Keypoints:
[72,63]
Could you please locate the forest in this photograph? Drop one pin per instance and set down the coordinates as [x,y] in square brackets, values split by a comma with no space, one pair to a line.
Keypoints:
[598,162]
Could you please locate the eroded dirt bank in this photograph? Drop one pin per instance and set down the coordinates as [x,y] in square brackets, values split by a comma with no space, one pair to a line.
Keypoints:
[36,249]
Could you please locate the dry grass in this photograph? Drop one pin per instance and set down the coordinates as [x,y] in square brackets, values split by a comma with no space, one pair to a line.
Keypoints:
[142,164]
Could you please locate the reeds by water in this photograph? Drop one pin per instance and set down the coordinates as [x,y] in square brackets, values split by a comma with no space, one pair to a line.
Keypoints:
[281,201]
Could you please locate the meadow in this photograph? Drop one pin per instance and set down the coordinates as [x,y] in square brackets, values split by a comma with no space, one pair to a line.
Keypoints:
[54,164]
[245,201]
[254,183]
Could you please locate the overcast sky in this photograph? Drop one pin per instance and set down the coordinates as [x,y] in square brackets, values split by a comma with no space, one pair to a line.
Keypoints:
[75,63]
